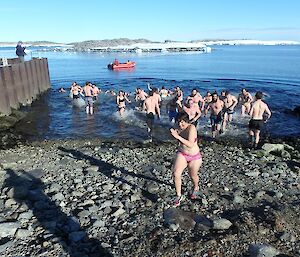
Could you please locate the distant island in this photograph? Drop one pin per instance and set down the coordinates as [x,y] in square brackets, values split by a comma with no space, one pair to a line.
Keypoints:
[91,45]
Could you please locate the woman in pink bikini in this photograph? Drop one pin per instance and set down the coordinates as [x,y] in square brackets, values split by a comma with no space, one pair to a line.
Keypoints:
[188,155]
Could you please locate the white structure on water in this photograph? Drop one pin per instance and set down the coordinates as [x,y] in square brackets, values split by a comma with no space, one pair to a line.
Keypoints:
[156,47]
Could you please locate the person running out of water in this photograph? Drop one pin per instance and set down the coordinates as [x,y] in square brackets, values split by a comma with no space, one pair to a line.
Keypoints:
[157,98]
[140,97]
[188,155]
[88,93]
[151,107]
[197,98]
[216,107]
[230,102]
[76,90]
[116,62]
[164,93]
[172,109]
[193,111]
[207,99]
[96,92]
[121,102]
[259,108]
[178,92]
[245,99]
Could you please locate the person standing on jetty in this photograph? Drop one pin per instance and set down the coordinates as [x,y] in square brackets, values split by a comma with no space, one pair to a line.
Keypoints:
[121,102]
[259,108]
[188,155]
[151,107]
[20,51]
[88,92]
[245,98]
[216,106]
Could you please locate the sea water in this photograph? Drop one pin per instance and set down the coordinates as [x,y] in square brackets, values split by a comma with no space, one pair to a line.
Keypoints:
[271,69]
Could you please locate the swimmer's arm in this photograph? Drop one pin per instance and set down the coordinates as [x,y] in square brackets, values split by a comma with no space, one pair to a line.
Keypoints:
[198,115]
[268,112]
[251,111]
[118,100]
[127,99]
[192,135]
[235,102]
[206,110]
[250,98]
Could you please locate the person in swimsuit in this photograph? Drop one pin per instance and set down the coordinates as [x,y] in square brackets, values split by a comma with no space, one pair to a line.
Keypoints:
[216,107]
[76,90]
[151,107]
[245,99]
[88,93]
[188,155]
[96,92]
[164,93]
[172,109]
[197,98]
[193,111]
[230,102]
[140,97]
[121,102]
[259,108]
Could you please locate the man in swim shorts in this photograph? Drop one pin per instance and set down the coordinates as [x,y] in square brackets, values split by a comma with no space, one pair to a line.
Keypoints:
[151,107]
[216,107]
[259,108]
[140,97]
[245,98]
[197,98]
[230,102]
[88,93]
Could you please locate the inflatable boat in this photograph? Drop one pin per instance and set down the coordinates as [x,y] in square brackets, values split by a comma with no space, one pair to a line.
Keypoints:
[127,65]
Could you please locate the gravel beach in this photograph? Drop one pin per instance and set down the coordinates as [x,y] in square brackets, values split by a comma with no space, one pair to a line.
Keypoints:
[103,198]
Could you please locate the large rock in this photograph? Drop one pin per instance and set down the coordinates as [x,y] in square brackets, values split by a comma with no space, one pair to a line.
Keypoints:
[273,147]
[262,250]
[174,217]
[8,229]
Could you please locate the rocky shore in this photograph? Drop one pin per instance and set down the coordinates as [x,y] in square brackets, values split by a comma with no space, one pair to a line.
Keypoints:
[97,198]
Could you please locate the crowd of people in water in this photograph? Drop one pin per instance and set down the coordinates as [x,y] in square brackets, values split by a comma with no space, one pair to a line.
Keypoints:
[185,113]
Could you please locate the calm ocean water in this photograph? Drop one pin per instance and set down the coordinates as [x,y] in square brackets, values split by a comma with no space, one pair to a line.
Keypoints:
[271,69]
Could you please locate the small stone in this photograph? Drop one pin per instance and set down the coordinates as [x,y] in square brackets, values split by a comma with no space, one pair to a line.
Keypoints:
[118,212]
[8,229]
[99,223]
[221,224]
[238,199]
[23,233]
[260,194]
[252,174]
[262,250]
[174,227]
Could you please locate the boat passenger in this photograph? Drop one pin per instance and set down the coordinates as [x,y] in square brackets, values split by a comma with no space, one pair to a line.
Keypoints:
[116,62]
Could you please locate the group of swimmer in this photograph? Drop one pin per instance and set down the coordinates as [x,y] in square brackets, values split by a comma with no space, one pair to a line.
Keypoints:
[185,113]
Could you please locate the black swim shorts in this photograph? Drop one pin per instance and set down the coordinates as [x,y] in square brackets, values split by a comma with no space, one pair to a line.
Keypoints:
[256,124]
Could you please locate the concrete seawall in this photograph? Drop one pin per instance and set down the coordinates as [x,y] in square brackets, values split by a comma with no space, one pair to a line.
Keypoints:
[21,83]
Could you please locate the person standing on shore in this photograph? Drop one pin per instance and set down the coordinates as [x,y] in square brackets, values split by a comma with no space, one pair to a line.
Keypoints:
[188,155]
[216,106]
[20,51]
[259,108]
[151,107]
[88,92]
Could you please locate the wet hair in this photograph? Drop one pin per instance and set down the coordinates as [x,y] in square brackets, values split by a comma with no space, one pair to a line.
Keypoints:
[163,87]
[86,83]
[195,89]
[259,95]
[214,93]
[151,92]
[227,92]
[182,116]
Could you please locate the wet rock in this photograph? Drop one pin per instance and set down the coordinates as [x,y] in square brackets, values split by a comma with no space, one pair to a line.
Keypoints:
[288,237]
[5,244]
[238,199]
[152,188]
[221,224]
[252,174]
[23,233]
[262,250]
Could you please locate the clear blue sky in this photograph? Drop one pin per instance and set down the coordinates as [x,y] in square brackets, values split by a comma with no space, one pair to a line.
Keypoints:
[75,20]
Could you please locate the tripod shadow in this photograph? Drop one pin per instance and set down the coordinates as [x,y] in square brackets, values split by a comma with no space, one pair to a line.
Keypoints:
[108,170]
[28,189]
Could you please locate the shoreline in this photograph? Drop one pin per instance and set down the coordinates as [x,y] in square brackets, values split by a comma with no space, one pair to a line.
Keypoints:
[83,197]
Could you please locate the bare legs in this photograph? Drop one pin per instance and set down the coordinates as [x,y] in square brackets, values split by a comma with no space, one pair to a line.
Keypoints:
[255,136]
[89,109]
[179,165]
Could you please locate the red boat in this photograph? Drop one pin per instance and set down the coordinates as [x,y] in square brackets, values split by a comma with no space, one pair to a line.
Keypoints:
[127,65]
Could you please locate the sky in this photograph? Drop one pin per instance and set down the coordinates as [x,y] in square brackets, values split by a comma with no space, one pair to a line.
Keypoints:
[67,21]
